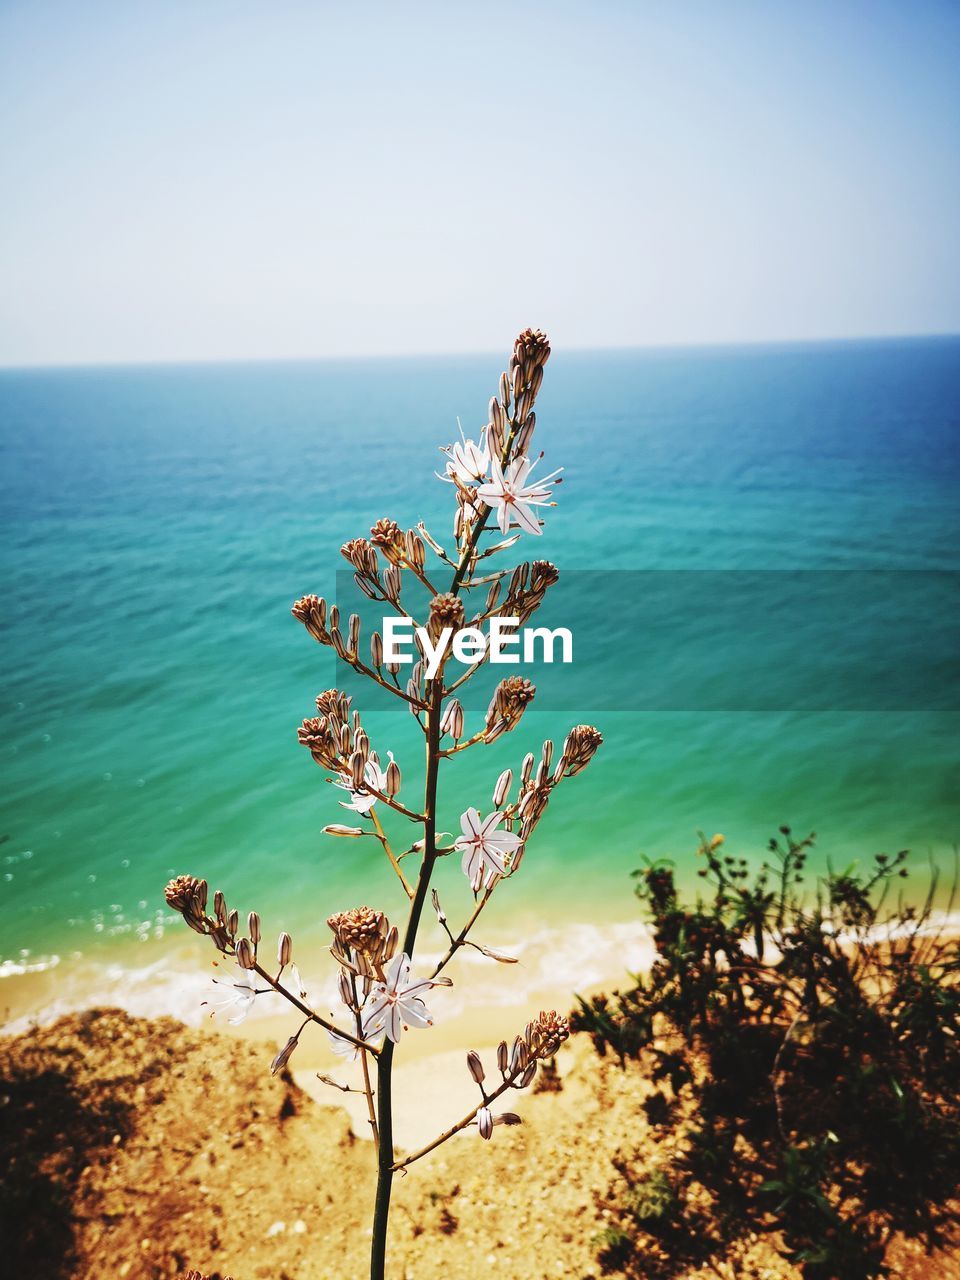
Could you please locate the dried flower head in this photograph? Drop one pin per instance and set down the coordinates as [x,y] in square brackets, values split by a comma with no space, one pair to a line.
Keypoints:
[188,895]
[446,610]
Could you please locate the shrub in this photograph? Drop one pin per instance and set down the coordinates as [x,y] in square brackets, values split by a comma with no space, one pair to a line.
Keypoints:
[815,1034]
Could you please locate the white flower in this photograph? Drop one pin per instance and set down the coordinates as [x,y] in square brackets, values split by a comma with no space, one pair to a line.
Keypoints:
[341,1047]
[374,776]
[467,461]
[294,983]
[397,1004]
[345,1048]
[238,995]
[513,496]
[486,851]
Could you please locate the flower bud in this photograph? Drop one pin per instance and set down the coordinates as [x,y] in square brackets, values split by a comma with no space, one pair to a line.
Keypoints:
[376,650]
[485,1123]
[519,1057]
[496,439]
[475,1066]
[233,922]
[245,957]
[502,787]
[452,720]
[414,549]
[390,944]
[345,989]
[503,1057]
[353,634]
[284,949]
[357,770]
[283,1057]
[524,438]
[338,829]
[393,779]
[253,927]
[220,907]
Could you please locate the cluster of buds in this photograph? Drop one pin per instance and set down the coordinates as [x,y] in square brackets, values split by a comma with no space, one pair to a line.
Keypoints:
[537,780]
[582,744]
[519,387]
[486,1121]
[546,1034]
[446,612]
[528,586]
[363,941]
[188,895]
[324,626]
[387,536]
[451,721]
[510,699]
[359,553]
[336,738]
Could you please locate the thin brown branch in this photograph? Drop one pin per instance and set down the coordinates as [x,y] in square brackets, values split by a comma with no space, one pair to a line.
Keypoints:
[461,938]
[381,835]
[461,1124]
[310,1014]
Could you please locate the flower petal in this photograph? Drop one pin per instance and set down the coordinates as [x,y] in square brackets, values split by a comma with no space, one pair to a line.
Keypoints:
[415,1012]
[526,519]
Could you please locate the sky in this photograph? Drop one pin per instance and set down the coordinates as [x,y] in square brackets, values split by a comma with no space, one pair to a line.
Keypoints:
[231,180]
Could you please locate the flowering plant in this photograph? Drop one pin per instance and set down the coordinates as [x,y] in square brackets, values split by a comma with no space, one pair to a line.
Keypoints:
[380,995]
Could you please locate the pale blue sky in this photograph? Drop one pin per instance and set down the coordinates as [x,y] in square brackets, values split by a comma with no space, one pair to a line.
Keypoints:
[215,180]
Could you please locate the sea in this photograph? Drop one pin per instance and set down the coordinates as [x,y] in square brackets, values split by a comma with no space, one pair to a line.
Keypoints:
[758,549]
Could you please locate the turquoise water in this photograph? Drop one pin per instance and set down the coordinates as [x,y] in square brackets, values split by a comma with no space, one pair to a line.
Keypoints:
[158,523]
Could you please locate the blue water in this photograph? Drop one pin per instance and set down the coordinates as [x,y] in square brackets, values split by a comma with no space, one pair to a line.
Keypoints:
[158,523]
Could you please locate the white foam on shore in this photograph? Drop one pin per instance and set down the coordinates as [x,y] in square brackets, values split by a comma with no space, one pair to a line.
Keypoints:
[562,961]
[553,964]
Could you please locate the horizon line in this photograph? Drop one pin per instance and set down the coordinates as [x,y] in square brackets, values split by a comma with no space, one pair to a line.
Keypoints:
[699,345]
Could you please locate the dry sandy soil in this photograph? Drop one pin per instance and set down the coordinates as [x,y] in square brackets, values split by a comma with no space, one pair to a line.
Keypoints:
[135,1148]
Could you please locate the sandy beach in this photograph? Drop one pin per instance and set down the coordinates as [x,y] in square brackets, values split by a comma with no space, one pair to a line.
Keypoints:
[142,1147]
